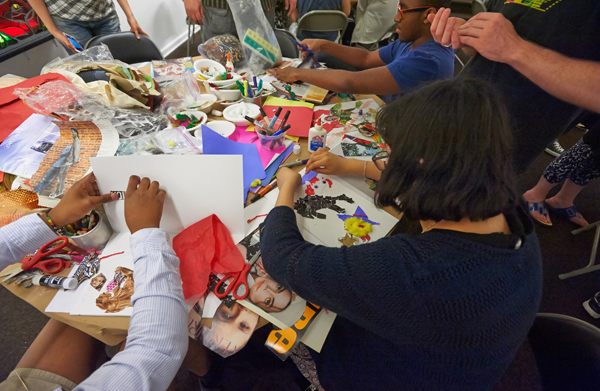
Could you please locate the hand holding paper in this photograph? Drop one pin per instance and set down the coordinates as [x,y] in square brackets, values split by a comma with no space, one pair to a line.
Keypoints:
[82,197]
[143,204]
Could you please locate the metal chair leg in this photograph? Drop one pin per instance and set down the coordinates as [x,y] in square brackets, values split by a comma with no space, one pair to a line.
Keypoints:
[591,266]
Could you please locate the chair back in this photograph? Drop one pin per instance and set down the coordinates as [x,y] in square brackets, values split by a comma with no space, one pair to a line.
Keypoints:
[286,43]
[466,9]
[126,47]
[324,20]
[567,352]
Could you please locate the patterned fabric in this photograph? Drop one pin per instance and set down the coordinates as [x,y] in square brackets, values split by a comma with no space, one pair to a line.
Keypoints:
[577,164]
[303,360]
[157,339]
[83,10]
[222,4]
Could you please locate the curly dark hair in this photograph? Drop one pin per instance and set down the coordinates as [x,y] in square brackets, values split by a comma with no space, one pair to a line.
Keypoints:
[451,153]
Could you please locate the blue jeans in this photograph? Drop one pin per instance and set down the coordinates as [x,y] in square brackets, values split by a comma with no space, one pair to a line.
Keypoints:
[83,31]
[47,180]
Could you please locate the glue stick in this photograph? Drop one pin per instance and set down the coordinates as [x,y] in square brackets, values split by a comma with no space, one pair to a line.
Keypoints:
[229,64]
[316,137]
[55,282]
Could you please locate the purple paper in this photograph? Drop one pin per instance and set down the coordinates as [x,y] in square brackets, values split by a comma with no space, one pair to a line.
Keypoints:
[360,213]
[308,176]
[215,144]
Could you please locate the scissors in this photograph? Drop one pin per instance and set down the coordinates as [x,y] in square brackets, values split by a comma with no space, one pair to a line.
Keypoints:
[239,279]
[53,265]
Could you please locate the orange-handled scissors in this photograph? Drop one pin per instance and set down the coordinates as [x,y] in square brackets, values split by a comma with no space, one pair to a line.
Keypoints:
[239,279]
[51,266]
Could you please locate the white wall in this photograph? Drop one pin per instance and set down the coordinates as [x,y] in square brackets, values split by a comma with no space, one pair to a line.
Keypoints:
[163,20]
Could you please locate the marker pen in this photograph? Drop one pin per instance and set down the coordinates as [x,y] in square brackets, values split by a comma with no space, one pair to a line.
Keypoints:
[256,123]
[274,119]
[285,118]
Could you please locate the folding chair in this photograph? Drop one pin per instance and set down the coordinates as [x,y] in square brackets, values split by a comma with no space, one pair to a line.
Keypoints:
[324,20]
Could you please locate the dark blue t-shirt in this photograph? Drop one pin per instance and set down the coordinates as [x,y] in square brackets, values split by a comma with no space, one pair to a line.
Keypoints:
[305,6]
[411,68]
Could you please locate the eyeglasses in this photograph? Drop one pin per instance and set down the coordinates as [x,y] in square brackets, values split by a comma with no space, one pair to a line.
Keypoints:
[408,10]
[380,159]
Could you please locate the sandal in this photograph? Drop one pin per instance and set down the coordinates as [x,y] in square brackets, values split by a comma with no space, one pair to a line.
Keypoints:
[539,207]
[568,214]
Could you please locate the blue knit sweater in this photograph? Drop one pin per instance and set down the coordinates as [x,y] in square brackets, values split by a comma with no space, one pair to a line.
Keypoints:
[437,311]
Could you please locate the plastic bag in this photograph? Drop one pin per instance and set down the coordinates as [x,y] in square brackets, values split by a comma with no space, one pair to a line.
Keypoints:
[216,49]
[138,122]
[72,63]
[177,93]
[176,141]
[65,99]
[140,145]
[261,49]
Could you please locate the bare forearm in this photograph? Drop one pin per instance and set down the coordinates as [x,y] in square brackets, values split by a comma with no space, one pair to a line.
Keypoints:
[572,80]
[126,8]
[353,56]
[40,9]
[286,197]
[363,168]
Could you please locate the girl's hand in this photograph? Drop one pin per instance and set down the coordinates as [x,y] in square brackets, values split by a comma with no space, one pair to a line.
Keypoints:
[325,162]
[288,179]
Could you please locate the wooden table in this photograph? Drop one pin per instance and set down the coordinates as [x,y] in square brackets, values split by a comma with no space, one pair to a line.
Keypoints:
[112,330]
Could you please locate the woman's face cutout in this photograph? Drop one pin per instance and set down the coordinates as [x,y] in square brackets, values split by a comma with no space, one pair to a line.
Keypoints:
[269,295]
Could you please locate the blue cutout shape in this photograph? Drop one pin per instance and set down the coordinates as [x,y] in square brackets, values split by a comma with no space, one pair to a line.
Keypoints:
[360,213]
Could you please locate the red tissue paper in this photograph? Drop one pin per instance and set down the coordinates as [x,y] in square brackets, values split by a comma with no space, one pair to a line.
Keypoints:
[202,247]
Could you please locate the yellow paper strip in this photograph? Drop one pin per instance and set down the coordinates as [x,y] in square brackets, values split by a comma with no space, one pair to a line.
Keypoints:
[273,101]
[293,138]
[250,128]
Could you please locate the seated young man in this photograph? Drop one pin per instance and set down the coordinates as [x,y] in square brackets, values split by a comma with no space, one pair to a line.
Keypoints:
[62,357]
[415,58]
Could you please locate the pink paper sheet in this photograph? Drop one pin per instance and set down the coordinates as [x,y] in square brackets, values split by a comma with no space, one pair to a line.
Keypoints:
[241,136]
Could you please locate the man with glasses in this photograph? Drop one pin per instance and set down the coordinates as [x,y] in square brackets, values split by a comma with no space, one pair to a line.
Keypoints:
[414,59]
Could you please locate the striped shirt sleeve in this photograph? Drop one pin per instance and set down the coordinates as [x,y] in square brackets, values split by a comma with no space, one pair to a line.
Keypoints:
[157,340]
[21,237]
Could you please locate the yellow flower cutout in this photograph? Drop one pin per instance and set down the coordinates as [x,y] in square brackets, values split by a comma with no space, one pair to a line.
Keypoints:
[358,227]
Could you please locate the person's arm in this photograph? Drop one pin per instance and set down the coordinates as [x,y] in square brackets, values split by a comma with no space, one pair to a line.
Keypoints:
[572,80]
[39,6]
[133,24]
[157,339]
[324,162]
[338,279]
[193,9]
[370,81]
[357,57]
[294,15]
[31,232]
[346,7]
[290,6]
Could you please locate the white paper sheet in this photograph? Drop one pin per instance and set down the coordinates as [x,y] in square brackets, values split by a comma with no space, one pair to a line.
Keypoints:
[86,302]
[196,185]
[24,149]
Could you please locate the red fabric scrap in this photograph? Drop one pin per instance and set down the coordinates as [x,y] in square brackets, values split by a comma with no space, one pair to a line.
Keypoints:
[202,248]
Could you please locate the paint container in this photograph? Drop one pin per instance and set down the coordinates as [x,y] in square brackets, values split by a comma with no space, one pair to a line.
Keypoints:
[255,100]
[57,282]
[97,237]
[297,149]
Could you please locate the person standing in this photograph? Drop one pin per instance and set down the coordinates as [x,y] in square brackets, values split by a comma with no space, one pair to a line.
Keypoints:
[542,56]
[83,19]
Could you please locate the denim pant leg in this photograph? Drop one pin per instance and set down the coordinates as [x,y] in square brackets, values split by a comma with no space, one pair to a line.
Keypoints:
[108,25]
[47,180]
[80,30]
